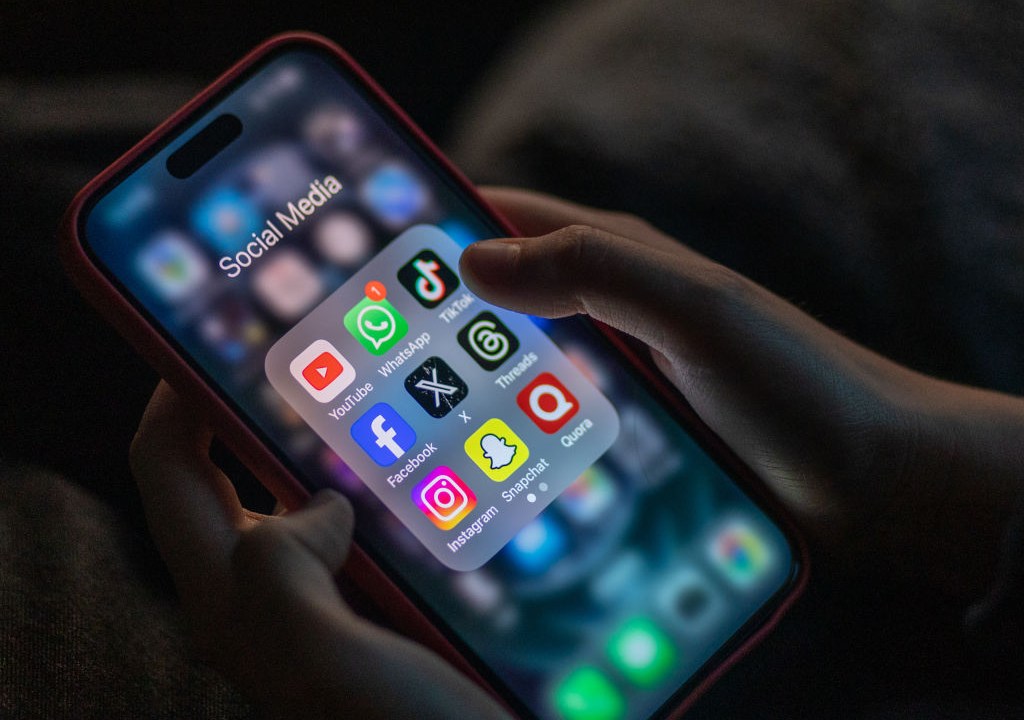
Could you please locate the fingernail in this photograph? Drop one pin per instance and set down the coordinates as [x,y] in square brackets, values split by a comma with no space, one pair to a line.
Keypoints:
[492,262]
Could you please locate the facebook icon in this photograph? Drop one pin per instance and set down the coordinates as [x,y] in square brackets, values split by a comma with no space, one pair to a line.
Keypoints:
[383,434]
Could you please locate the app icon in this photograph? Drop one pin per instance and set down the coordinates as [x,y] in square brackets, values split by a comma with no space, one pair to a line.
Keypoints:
[488,341]
[383,434]
[444,498]
[496,449]
[547,403]
[336,133]
[343,238]
[226,218]
[287,285]
[641,652]
[740,554]
[688,600]
[428,279]
[436,387]
[174,268]
[322,371]
[376,324]
[232,329]
[537,546]
[586,694]
[589,497]
[459,231]
[279,174]
[394,195]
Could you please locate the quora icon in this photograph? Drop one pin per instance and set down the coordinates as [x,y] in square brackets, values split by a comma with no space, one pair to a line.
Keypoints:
[548,403]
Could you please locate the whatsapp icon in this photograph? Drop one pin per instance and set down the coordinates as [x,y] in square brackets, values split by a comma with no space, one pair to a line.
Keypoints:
[376,325]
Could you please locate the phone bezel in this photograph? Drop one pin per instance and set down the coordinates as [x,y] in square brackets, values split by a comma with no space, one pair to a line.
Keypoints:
[387,589]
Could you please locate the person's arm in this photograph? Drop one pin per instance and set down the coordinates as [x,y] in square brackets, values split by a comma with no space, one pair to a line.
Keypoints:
[875,460]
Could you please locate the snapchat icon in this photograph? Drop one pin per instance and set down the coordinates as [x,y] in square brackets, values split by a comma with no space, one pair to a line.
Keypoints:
[496,449]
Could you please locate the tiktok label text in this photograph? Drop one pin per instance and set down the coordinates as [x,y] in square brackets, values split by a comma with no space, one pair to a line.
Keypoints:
[455,307]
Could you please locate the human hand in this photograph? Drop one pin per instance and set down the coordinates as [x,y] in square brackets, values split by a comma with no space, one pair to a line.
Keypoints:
[260,595]
[880,465]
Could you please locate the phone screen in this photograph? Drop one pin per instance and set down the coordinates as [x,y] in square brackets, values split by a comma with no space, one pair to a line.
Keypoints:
[512,474]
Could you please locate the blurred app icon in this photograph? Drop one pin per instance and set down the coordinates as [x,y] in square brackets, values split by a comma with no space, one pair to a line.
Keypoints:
[172,266]
[394,195]
[279,174]
[277,406]
[589,497]
[617,577]
[643,446]
[343,238]
[226,218]
[582,358]
[287,284]
[340,473]
[739,553]
[232,330]
[479,589]
[335,133]
[688,600]
[459,231]
[537,547]
[642,652]
[587,694]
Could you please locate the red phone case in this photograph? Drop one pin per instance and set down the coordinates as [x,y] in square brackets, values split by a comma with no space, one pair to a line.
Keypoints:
[98,289]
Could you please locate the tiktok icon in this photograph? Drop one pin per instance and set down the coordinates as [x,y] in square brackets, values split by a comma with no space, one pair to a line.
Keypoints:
[428,279]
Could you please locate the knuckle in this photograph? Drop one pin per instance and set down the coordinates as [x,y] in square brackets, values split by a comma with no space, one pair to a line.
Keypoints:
[573,243]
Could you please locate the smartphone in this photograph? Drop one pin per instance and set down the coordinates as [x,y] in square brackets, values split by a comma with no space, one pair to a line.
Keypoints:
[531,499]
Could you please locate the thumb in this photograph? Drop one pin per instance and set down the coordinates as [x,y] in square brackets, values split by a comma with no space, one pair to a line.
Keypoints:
[276,547]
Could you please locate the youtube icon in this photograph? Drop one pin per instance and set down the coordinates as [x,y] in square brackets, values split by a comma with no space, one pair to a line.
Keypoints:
[322,371]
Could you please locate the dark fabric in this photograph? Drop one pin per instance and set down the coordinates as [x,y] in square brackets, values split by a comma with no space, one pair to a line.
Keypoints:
[90,624]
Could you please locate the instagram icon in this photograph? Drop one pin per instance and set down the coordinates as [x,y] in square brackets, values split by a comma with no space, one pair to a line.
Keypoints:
[444,497]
